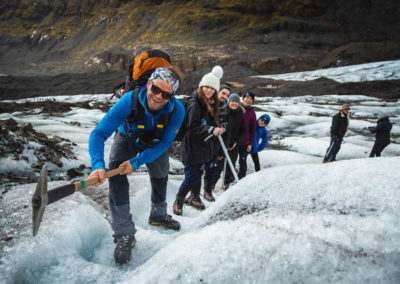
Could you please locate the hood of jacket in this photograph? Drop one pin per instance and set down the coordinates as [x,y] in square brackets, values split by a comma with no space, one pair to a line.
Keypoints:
[265,116]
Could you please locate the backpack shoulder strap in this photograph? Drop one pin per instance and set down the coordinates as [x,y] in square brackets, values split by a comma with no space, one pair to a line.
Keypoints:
[136,106]
[163,121]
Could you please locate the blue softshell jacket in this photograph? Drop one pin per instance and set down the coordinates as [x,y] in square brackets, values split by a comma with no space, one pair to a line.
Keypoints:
[114,119]
[261,134]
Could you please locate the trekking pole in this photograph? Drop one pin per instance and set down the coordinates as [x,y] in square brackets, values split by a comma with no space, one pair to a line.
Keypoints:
[208,137]
[41,198]
[228,158]
[224,172]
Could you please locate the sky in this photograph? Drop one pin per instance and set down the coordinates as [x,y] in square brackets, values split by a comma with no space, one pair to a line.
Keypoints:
[297,220]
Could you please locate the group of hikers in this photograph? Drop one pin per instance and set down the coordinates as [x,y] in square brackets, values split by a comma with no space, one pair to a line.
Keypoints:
[211,114]
[213,111]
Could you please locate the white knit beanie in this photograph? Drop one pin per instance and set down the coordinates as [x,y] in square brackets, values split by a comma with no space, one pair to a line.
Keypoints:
[212,79]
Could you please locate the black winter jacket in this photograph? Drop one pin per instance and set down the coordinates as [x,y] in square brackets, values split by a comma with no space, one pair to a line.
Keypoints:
[382,131]
[224,121]
[340,122]
[238,126]
[198,126]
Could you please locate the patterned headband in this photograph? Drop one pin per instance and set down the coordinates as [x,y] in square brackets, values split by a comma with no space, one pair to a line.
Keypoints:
[166,75]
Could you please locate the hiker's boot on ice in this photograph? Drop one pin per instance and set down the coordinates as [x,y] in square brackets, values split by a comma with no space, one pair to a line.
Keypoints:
[195,202]
[167,223]
[209,197]
[123,249]
[178,206]
[208,187]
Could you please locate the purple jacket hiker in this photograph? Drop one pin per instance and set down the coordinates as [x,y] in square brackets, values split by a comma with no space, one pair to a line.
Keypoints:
[250,120]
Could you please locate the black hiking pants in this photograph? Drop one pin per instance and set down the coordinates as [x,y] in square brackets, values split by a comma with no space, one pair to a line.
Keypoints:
[333,149]
[242,161]
[377,149]
[212,173]
[256,161]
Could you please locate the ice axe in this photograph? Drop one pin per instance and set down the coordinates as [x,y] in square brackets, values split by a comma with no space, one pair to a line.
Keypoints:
[42,197]
[228,159]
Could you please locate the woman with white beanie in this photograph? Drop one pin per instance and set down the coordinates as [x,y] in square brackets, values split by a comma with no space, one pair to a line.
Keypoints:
[198,147]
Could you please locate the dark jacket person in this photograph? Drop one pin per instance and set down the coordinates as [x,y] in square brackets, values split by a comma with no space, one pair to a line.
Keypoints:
[340,123]
[237,133]
[214,168]
[382,136]
[200,123]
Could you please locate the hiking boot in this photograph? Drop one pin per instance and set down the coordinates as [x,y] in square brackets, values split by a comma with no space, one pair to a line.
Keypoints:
[195,202]
[224,187]
[209,197]
[123,249]
[178,206]
[167,223]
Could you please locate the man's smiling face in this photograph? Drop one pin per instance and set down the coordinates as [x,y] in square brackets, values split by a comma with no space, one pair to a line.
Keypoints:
[155,98]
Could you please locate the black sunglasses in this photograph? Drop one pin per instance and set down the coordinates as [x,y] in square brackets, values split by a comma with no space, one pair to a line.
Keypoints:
[156,90]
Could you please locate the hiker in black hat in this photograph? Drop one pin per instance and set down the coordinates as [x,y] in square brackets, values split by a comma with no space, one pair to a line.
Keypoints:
[340,124]
[382,135]
[250,121]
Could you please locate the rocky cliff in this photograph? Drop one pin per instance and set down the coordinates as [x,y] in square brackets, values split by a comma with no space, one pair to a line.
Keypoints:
[70,46]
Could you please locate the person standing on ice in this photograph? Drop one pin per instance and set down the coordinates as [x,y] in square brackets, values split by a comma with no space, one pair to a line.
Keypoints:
[382,136]
[260,140]
[237,132]
[340,124]
[200,142]
[133,148]
[214,168]
[247,143]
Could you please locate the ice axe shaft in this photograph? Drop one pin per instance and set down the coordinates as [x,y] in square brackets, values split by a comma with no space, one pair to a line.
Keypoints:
[42,196]
[60,192]
[228,158]
[224,171]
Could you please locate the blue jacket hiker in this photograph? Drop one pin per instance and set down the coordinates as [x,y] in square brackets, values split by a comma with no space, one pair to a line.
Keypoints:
[146,125]
[260,139]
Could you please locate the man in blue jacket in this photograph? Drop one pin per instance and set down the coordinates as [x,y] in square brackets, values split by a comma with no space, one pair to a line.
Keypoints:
[260,139]
[142,140]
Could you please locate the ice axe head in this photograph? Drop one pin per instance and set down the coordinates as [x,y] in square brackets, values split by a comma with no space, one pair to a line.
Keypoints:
[39,200]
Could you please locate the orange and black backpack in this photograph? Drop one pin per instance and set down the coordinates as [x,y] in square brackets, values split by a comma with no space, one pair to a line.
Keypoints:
[139,71]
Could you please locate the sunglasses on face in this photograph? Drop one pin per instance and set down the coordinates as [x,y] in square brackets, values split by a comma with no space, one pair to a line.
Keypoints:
[263,120]
[156,90]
